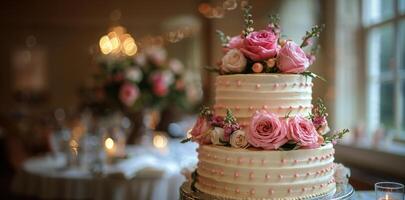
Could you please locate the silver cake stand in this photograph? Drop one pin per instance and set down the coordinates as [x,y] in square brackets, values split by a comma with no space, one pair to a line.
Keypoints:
[343,192]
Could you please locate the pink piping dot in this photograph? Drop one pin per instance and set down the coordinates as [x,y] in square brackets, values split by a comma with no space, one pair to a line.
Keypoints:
[251,161]
[285,84]
[252,191]
[251,175]
[271,191]
[280,176]
[303,189]
[296,175]
[237,108]
[263,161]
[237,190]
[289,190]
[239,83]
[267,176]
[295,161]
[283,161]
[221,173]
[251,108]
[227,83]
[258,86]
[227,159]
[240,161]
[236,175]
[265,107]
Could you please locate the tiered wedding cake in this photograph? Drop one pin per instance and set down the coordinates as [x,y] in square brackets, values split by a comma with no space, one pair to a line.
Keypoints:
[264,139]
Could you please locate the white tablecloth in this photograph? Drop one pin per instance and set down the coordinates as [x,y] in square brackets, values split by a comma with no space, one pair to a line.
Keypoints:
[146,174]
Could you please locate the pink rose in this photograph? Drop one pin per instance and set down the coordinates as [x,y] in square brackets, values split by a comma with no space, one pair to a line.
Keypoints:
[201,130]
[128,94]
[160,89]
[235,42]
[302,131]
[292,59]
[267,131]
[260,45]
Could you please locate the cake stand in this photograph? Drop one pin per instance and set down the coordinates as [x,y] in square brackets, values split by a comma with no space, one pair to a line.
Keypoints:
[343,192]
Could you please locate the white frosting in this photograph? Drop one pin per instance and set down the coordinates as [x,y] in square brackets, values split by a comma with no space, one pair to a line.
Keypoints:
[281,94]
[251,174]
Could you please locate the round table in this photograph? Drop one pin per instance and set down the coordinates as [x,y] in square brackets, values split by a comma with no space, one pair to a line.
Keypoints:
[147,173]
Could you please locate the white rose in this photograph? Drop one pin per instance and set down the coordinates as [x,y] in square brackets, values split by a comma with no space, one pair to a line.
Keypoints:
[233,62]
[217,135]
[140,59]
[342,173]
[133,74]
[168,77]
[238,139]
[157,54]
[176,66]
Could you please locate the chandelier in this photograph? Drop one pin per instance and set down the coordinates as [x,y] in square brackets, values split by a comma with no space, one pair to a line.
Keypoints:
[118,42]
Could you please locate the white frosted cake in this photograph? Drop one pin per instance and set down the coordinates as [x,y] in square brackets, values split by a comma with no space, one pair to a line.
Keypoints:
[264,138]
[249,174]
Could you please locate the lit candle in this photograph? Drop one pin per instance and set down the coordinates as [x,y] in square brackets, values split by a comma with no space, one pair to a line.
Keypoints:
[110,148]
[386,197]
[160,141]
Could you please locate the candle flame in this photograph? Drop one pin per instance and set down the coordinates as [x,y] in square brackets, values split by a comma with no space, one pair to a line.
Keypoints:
[109,143]
[159,141]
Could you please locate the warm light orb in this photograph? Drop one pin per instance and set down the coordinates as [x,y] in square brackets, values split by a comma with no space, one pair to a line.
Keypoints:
[159,141]
[109,143]
[118,42]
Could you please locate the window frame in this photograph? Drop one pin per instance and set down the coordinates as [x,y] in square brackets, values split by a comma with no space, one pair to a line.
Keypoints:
[395,75]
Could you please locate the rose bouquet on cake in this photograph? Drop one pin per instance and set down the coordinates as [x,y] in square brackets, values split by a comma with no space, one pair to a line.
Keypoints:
[264,51]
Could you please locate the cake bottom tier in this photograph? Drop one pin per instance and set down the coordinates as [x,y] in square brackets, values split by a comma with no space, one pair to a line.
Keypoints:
[251,174]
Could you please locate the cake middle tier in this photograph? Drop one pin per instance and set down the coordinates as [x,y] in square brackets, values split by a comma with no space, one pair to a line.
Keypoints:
[244,94]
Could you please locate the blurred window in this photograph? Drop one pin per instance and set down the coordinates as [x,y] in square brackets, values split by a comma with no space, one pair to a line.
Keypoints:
[384,28]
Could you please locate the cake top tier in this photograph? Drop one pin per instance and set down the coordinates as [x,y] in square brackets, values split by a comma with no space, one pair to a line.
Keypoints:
[245,94]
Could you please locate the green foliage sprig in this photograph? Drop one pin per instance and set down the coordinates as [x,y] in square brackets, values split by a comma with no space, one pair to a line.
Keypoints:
[312,75]
[223,37]
[335,136]
[248,20]
[314,32]
[229,118]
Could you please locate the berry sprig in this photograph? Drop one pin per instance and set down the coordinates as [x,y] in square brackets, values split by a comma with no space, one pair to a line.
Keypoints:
[224,38]
[274,23]
[248,20]
[315,32]
[206,112]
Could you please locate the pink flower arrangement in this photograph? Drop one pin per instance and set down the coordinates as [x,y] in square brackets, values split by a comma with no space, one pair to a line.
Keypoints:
[267,131]
[260,45]
[128,94]
[292,59]
[200,131]
[302,131]
[265,51]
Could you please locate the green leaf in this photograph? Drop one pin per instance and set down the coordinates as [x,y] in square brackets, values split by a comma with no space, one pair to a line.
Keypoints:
[224,38]
[312,75]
